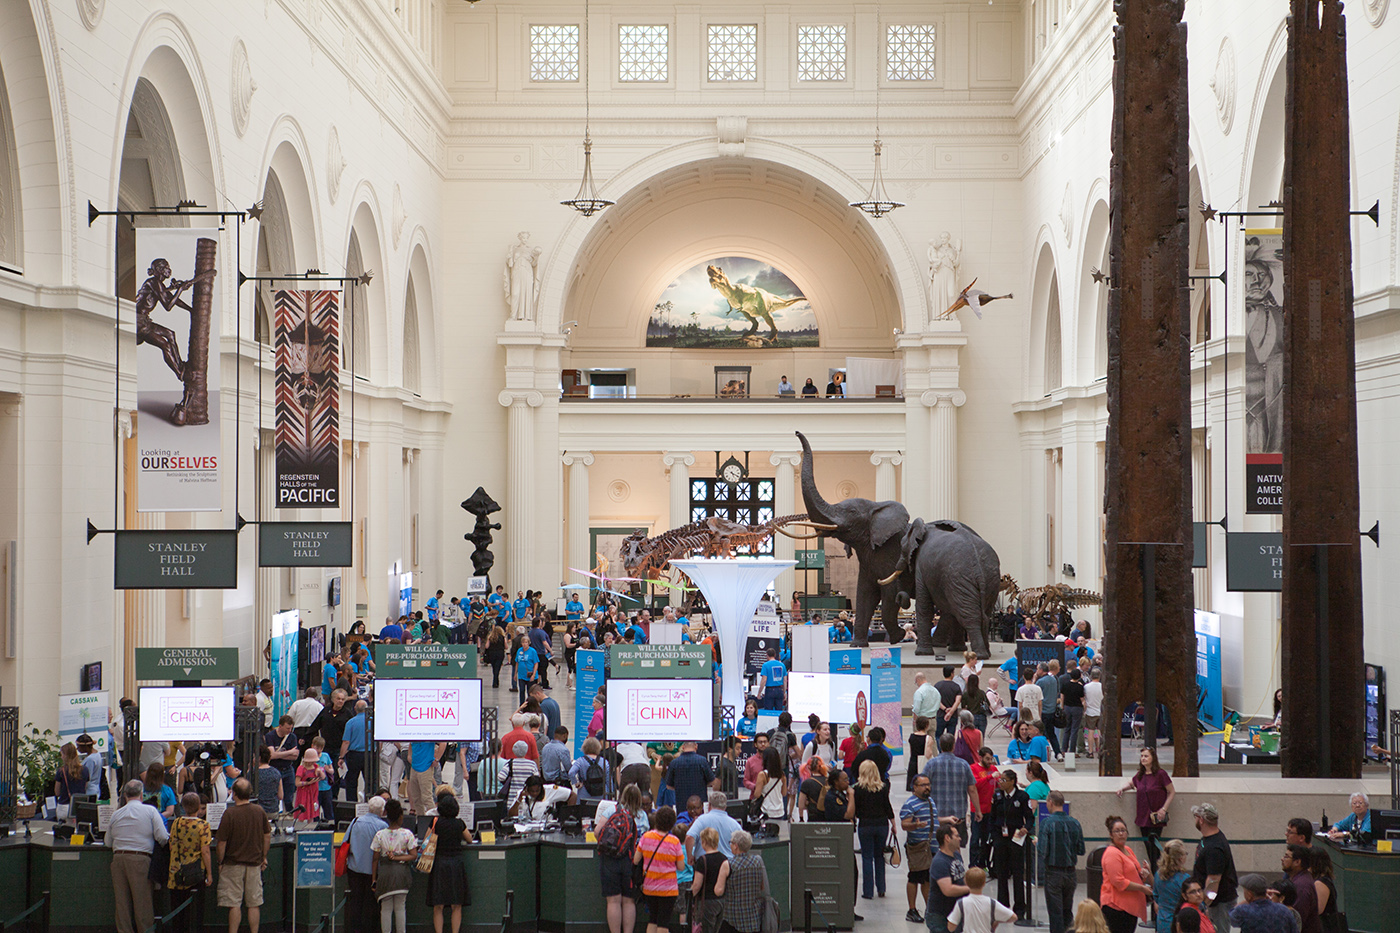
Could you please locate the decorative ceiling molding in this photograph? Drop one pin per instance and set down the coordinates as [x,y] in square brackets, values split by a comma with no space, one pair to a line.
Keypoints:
[335,164]
[1067,213]
[242,89]
[1375,10]
[1223,84]
[91,12]
[400,216]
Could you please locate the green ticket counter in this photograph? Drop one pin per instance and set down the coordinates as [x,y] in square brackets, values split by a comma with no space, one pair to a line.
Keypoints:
[1367,884]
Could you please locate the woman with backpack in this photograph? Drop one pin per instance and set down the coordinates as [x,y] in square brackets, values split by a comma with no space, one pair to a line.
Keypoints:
[590,771]
[495,653]
[617,844]
[660,855]
[743,883]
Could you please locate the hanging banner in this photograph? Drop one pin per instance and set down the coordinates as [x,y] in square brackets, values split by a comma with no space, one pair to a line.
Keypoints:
[306,342]
[1210,687]
[1254,561]
[285,626]
[763,634]
[591,671]
[206,559]
[426,662]
[886,699]
[80,713]
[177,370]
[305,544]
[217,664]
[658,662]
[1263,371]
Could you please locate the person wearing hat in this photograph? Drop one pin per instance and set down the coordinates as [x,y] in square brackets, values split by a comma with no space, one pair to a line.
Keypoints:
[1258,914]
[92,765]
[841,629]
[1214,870]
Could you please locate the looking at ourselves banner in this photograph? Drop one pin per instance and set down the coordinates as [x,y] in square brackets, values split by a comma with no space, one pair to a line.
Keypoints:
[1263,370]
[306,341]
[177,370]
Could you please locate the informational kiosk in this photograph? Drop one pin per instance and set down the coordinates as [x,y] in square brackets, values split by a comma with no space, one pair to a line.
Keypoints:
[822,855]
[733,588]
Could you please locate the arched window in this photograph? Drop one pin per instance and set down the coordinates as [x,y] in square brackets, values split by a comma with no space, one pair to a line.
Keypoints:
[11,249]
[412,375]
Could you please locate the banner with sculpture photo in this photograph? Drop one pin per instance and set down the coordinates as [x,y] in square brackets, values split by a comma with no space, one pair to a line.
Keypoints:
[177,370]
[306,345]
[886,697]
[1263,370]
[732,303]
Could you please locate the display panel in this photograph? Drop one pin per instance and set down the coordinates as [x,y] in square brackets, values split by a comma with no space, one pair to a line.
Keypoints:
[186,714]
[833,697]
[427,710]
[660,710]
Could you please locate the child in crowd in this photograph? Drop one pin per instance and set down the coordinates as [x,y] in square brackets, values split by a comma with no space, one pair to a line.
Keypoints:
[976,912]
[307,802]
[323,790]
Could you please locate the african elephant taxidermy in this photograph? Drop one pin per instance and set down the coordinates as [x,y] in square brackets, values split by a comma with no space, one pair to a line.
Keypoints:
[955,574]
[874,532]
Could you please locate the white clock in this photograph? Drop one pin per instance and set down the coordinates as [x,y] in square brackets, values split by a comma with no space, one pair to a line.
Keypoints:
[732,472]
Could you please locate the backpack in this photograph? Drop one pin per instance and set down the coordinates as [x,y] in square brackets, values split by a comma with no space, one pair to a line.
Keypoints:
[778,738]
[618,837]
[595,779]
[483,629]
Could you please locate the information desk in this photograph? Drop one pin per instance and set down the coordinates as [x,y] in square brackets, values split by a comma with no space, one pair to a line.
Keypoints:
[1367,882]
[554,877]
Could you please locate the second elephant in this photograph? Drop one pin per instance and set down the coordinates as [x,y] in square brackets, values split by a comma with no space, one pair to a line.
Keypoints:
[955,573]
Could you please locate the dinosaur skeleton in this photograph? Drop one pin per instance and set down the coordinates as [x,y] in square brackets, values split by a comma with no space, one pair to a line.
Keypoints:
[648,558]
[1049,600]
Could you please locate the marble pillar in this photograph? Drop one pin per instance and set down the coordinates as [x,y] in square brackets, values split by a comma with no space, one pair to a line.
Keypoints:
[785,503]
[678,464]
[577,554]
[943,451]
[520,493]
[886,485]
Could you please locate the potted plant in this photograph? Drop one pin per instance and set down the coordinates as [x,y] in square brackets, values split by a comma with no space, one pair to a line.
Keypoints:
[39,760]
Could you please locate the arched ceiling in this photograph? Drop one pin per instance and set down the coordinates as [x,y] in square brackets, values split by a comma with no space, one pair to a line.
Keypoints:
[732,207]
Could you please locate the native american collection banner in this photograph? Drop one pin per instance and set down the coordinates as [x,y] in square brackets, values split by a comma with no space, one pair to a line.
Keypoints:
[177,370]
[1263,370]
[306,341]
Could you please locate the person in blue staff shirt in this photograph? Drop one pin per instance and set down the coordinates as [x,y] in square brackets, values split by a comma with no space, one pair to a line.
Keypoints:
[521,606]
[499,604]
[573,609]
[526,660]
[328,674]
[774,674]
[432,606]
[840,633]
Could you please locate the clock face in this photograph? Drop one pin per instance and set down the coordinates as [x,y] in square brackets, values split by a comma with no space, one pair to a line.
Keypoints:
[732,473]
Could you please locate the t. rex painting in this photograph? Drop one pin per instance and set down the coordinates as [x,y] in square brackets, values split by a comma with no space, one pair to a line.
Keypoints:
[753,303]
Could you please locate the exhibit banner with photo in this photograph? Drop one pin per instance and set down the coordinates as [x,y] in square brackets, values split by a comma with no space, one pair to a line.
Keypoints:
[591,667]
[177,370]
[80,713]
[285,628]
[306,348]
[732,303]
[1263,370]
[763,634]
[886,700]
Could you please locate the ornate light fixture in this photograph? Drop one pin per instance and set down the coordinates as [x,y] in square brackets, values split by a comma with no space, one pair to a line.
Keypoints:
[587,202]
[877,202]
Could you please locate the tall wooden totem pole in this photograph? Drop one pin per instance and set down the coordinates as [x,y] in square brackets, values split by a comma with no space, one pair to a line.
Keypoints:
[1148,632]
[1323,702]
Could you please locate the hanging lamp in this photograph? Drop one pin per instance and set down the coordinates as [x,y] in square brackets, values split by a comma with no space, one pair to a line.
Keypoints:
[587,202]
[877,202]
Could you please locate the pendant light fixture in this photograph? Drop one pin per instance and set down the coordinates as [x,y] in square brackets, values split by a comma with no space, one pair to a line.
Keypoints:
[877,202]
[587,202]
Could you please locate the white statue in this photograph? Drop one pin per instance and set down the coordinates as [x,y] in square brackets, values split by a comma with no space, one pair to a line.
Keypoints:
[521,278]
[944,258]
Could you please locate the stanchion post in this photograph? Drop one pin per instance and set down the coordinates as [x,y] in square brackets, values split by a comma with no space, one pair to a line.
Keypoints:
[807,899]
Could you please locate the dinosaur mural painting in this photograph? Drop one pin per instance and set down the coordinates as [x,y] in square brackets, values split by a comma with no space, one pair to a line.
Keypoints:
[732,303]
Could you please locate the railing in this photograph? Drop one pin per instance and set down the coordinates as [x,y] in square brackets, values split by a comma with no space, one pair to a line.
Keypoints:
[326,918]
[809,904]
[163,923]
[41,905]
[714,397]
[508,918]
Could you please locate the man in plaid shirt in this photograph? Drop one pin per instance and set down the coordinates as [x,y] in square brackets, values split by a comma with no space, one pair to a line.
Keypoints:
[952,786]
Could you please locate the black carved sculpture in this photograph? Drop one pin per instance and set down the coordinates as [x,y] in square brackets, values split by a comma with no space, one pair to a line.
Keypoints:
[481,505]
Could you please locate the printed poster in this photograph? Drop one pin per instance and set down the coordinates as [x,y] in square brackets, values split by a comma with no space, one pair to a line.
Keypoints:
[286,627]
[762,635]
[306,344]
[1263,371]
[80,713]
[177,370]
[591,667]
[886,701]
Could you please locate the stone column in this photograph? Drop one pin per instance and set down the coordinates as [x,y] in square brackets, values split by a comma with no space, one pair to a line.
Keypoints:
[577,551]
[943,408]
[519,524]
[678,463]
[785,503]
[885,461]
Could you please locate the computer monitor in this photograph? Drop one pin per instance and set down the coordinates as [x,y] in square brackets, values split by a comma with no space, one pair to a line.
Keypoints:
[488,811]
[83,798]
[737,809]
[578,811]
[1385,824]
[344,810]
[86,812]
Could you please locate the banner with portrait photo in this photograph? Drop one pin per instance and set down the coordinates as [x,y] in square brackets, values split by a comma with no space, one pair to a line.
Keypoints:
[306,344]
[177,370]
[1263,371]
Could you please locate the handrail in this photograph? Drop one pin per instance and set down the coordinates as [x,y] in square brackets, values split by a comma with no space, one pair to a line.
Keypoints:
[163,922]
[41,904]
[508,918]
[326,918]
[809,903]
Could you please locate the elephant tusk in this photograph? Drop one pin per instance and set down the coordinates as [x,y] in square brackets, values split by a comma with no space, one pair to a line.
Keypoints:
[819,525]
[891,578]
[797,537]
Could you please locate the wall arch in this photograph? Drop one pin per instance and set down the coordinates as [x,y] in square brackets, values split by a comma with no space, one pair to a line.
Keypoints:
[1092,307]
[420,279]
[1045,299]
[11,207]
[366,246]
[906,275]
[288,158]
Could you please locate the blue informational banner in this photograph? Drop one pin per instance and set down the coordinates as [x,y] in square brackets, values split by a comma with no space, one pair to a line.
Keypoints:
[886,700]
[285,626]
[589,665]
[315,860]
[844,661]
[1210,699]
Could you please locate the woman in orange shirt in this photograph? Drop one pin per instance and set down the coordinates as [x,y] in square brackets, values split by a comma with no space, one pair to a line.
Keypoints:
[1123,895]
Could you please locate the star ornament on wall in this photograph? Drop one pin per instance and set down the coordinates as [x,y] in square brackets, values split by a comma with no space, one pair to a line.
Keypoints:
[1099,277]
[1208,213]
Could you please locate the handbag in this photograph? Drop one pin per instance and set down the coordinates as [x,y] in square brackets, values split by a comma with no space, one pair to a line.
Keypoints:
[503,794]
[920,853]
[639,873]
[892,853]
[190,874]
[427,856]
[342,852]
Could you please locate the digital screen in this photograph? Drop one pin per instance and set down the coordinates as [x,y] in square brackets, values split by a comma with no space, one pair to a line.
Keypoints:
[660,710]
[830,696]
[186,714]
[427,710]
